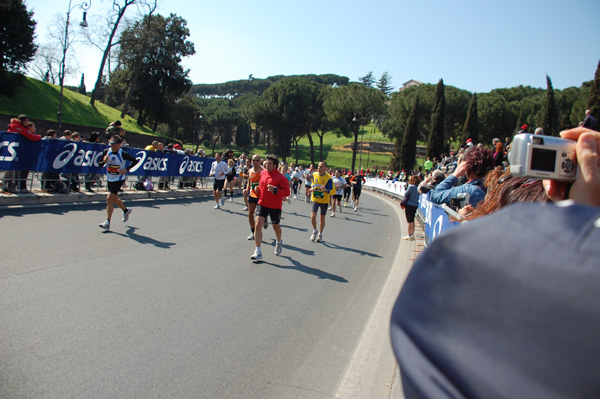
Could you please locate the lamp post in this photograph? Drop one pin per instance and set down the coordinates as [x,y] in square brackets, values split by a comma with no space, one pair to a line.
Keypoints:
[371,139]
[198,118]
[84,6]
[360,121]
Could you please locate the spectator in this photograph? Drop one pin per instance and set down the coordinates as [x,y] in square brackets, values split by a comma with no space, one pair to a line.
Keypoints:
[428,165]
[76,136]
[519,325]
[67,135]
[16,181]
[410,203]
[589,121]
[112,129]
[50,134]
[498,153]
[153,146]
[477,163]
[431,182]
[523,129]
[538,130]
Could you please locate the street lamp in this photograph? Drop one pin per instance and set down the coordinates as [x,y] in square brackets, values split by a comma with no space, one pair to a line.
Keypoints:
[198,118]
[360,121]
[84,6]
[370,140]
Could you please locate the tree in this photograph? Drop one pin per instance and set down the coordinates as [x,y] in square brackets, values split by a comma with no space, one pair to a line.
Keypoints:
[289,109]
[16,36]
[349,106]
[408,152]
[437,136]
[81,88]
[163,80]
[119,13]
[384,84]
[550,118]
[471,127]
[594,100]
[368,80]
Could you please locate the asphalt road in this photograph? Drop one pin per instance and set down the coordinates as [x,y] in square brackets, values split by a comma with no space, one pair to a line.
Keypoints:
[169,305]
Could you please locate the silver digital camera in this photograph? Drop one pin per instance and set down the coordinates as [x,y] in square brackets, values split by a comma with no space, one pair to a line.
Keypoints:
[543,157]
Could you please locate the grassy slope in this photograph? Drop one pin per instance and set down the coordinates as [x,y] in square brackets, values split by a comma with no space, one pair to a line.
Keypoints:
[39,100]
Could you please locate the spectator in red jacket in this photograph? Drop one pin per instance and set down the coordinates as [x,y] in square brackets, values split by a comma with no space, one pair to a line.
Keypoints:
[16,181]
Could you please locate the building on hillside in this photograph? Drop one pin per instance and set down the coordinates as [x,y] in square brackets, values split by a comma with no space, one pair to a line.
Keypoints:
[410,83]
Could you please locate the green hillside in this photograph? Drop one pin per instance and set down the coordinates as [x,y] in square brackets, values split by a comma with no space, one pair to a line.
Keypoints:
[40,100]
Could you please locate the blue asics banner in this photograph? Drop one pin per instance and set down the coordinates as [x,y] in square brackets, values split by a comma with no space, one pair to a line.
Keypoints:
[65,156]
[436,220]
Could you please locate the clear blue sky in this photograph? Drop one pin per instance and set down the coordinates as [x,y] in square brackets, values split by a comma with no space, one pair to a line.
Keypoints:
[475,45]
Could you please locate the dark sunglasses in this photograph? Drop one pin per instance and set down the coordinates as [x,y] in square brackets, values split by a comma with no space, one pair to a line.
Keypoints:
[113,142]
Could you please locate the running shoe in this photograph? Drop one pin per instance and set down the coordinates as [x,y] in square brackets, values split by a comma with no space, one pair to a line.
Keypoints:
[230,199]
[256,255]
[409,238]
[126,214]
[313,236]
[222,201]
[245,208]
[266,223]
[250,237]
[355,209]
[332,215]
[295,197]
[217,206]
[105,225]
[320,237]
[278,247]
[289,200]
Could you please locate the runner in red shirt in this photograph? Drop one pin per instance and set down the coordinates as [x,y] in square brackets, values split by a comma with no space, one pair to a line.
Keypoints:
[272,189]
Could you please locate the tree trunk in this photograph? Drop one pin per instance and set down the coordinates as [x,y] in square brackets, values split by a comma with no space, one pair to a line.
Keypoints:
[105,55]
[312,148]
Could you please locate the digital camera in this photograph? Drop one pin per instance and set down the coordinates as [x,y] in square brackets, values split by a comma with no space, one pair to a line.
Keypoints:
[543,157]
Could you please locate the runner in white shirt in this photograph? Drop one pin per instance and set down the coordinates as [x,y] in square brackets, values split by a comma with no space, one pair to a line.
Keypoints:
[219,170]
[338,183]
[308,176]
[297,176]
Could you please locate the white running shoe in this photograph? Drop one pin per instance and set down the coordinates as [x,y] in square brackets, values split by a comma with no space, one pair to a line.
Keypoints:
[278,247]
[256,255]
[245,208]
[250,237]
[320,237]
[126,214]
[409,238]
[217,206]
[332,215]
[355,209]
[313,236]
[105,225]
[295,197]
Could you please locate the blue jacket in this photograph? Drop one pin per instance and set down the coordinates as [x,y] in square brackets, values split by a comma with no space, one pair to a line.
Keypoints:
[413,194]
[446,191]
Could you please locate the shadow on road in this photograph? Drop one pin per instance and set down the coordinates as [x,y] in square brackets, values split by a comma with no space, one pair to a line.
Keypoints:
[357,251]
[130,233]
[308,270]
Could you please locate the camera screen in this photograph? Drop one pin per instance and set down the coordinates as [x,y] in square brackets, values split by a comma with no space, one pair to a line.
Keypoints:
[543,159]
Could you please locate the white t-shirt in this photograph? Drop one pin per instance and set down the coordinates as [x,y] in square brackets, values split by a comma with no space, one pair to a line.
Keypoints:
[339,183]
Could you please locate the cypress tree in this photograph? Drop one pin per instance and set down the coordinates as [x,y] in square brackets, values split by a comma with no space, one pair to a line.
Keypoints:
[471,127]
[82,86]
[409,141]
[594,100]
[550,120]
[437,136]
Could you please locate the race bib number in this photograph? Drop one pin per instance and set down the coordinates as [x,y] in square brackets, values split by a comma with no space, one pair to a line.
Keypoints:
[254,184]
[113,169]
[318,193]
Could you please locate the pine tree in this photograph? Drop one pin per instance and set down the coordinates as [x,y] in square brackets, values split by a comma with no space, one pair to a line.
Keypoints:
[384,84]
[594,100]
[409,141]
[368,80]
[437,136]
[82,86]
[550,120]
[471,127]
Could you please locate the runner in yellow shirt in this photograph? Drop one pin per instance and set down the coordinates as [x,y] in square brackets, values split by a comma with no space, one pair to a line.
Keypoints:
[321,189]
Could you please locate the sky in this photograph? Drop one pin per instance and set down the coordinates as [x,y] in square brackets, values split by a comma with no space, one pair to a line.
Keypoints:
[475,45]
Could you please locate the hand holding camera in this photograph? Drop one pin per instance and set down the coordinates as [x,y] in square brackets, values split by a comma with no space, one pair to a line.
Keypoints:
[586,187]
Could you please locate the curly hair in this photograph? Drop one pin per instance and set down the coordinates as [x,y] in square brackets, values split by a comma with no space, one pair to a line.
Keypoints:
[479,162]
[504,189]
